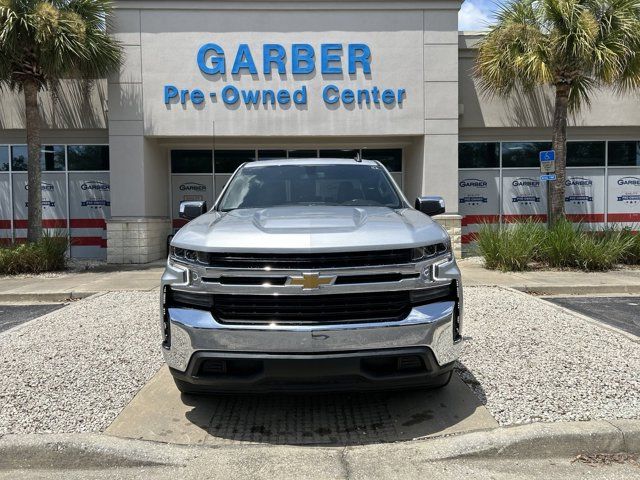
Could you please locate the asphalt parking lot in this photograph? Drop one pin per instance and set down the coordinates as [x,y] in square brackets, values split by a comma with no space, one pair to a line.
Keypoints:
[14,315]
[620,312]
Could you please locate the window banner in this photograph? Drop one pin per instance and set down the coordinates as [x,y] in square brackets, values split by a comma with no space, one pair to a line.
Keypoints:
[5,209]
[524,194]
[584,196]
[189,187]
[478,200]
[54,203]
[89,207]
[624,196]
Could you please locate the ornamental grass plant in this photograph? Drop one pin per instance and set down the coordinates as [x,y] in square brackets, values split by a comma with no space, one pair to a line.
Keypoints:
[519,246]
[46,255]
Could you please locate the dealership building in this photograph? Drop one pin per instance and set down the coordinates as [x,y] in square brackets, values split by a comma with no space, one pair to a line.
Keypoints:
[207,85]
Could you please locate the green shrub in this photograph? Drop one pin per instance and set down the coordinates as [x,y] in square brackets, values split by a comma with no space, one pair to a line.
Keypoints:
[44,256]
[601,250]
[632,254]
[560,245]
[510,247]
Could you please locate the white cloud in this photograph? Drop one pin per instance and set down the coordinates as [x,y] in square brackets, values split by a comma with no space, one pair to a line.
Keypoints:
[472,17]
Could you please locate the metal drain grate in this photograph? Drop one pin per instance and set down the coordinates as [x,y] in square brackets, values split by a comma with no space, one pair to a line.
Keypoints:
[314,419]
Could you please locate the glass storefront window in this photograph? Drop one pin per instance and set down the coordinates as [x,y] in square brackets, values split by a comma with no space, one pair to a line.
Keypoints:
[391,158]
[303,154]
[479,155]
[585,154]
[339,153]
[269,154]
[191,161]
[624,154]
[226,161]
[4,158]
[51,158]
[523,154]
[88,157]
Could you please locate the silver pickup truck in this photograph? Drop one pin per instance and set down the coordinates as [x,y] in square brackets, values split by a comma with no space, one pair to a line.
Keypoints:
[312,274]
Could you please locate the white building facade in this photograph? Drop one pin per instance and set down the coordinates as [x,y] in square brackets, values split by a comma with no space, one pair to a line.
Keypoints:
[208,85]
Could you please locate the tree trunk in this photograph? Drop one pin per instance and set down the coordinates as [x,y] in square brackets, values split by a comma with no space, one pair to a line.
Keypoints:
[34,210]
[557,187]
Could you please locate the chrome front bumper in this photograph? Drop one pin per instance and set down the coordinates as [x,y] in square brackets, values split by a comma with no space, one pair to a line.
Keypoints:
[428,326]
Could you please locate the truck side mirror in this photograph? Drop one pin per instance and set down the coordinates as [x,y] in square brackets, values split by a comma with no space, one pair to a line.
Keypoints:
[430,205]
[192,209]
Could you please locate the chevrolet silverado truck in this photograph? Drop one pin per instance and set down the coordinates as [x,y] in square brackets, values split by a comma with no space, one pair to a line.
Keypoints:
[311,274]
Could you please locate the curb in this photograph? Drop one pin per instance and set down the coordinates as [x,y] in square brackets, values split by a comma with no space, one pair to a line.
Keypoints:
[578,289]
[44,297]
[537,440]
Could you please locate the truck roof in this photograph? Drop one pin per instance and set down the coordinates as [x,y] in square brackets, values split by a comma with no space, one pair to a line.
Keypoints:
[308,161]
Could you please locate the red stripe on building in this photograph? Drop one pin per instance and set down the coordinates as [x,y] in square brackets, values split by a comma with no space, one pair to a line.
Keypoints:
[624,217]
[179,222]
[89,242]
[88,223]
[5,224]
[586,217]
[519,217]
[46,223]
[469,237]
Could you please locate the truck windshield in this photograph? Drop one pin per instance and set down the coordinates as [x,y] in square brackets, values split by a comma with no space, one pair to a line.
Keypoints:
[306,185]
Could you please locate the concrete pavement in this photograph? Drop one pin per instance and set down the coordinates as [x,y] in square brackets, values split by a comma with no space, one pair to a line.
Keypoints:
[160,413]
[553,282]
[524,452]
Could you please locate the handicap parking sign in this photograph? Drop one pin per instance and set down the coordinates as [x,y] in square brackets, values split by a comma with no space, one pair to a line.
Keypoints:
[547,156]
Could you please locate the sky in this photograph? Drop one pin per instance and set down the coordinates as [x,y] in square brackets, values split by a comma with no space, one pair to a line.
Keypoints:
[475,14]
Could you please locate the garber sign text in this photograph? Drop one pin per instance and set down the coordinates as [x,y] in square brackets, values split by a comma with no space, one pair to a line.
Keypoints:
[334,60]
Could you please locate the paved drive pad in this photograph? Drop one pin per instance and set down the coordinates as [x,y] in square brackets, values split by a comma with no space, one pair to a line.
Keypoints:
[620,312]
[14,315]
[161,414]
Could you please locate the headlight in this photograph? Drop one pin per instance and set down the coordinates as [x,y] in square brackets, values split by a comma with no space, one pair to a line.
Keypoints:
[188,256]
[431,251]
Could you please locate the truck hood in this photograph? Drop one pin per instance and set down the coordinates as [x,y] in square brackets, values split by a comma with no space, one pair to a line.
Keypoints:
[315,228]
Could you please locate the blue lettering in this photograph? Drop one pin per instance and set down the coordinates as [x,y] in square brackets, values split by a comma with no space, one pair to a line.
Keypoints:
[283,97]
[251,97]
[216,59]
[244,60]
[359,53]
[197,96]
[170,92]
[363,96]
[302,55]
[268,94]
[388,97]
[328,58]
[347,96]
[233,97]
[330,94]
[401,94]
[268,59]
[300,96]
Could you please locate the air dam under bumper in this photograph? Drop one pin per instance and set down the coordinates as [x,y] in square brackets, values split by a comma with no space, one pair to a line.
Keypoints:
[195,334]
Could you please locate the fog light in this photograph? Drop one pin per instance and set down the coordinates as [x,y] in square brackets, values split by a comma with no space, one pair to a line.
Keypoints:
[426,275]
[194,276]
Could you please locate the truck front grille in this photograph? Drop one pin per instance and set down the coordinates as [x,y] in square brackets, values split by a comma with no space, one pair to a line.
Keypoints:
[302,309]
[312,261]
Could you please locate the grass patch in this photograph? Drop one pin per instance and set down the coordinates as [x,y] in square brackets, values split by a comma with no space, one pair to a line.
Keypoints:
[515,247]
[49,254]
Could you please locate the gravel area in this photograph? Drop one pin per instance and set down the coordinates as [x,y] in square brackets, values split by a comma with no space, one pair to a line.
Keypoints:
[531,362]
[74,369]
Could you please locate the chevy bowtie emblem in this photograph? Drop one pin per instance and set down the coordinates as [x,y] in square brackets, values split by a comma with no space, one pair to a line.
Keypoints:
[310,281]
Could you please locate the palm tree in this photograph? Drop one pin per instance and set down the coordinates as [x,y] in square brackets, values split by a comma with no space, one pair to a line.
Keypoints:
[41,43]
[572,46]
